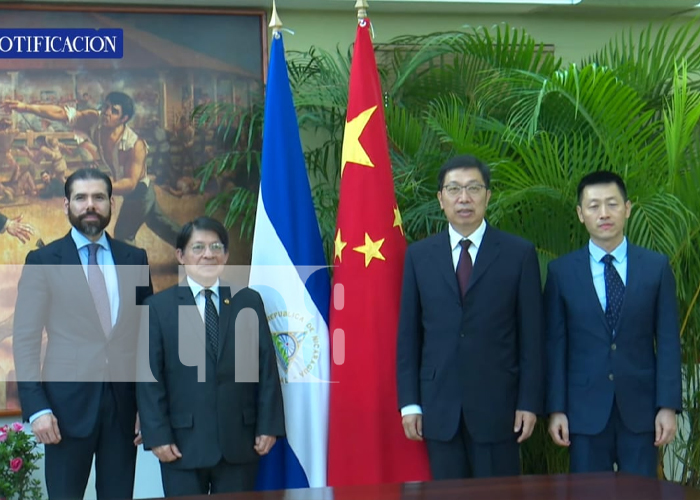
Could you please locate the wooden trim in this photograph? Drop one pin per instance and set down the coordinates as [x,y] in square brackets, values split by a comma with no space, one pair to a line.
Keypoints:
[140,9]
[151,9]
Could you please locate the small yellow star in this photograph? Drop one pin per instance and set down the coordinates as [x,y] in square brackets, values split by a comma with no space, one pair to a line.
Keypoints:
[371,249]
[397,219]
[352,149]
[339,246]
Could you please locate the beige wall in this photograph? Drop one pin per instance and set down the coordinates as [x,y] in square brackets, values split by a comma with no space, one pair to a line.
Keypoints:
[574,37]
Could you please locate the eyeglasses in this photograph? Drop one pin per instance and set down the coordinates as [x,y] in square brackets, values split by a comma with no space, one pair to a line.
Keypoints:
[214,248]
[455,190]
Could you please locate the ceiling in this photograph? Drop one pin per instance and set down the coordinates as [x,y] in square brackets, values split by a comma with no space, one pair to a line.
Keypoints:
[631,8]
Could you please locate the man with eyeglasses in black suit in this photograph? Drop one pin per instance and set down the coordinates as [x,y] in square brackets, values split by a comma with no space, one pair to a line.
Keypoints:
[205,415]
[470,353]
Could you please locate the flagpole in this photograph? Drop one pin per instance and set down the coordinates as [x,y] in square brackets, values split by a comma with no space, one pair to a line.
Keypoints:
[286,262]
[275,21]
[361,6]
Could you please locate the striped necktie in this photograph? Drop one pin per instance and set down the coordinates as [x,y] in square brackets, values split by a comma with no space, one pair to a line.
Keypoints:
[211,321]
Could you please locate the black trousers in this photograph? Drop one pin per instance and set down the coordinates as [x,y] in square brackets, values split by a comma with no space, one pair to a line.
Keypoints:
[67,464]
[462,457]
[222,478]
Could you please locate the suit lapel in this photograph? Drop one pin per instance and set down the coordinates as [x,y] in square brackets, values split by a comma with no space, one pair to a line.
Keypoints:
[583,269]
[121,254]
[487,254]
[67,253]
[224,316]
[443,260]
[634,272]
[74,277]
[189,319]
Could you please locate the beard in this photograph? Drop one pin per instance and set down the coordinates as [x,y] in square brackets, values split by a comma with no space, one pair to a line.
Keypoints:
[89,227]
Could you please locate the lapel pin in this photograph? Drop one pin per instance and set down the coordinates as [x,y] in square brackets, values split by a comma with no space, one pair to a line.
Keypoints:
[226,301]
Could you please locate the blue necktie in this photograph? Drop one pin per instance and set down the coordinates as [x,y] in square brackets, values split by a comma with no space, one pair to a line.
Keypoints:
[614,292]
[211,321]
[98,287]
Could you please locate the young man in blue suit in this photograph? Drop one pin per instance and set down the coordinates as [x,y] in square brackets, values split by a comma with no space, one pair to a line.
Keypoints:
[613,343]
[470,341]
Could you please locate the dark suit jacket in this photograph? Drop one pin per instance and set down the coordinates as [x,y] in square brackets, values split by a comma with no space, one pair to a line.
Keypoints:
[484,356]
[53,294]
[217,417]
[640,367]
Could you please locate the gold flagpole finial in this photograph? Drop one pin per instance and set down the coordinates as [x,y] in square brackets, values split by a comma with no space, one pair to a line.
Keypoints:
[361,6]
[275,21]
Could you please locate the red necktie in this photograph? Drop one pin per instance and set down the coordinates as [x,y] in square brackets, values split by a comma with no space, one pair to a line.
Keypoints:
[464,267]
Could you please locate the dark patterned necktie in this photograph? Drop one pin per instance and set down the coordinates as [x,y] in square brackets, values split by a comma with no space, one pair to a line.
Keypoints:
[464,267]
[211,321]
[98,287]
[614,292]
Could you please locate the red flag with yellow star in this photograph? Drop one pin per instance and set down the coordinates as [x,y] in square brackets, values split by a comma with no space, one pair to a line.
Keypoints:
[367,444]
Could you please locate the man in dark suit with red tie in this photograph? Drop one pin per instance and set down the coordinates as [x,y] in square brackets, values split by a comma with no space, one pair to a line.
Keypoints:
[84,290]
[613,341]
[469,360]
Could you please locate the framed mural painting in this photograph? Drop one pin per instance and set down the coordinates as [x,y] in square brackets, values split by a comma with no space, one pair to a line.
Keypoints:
[174,59]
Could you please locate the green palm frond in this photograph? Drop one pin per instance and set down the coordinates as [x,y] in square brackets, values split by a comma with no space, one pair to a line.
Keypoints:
[535,196]
[661,222]
[681,118]
[554,161]
[647,63]
[407,131]
[238,131]
[319,81]
[459,129]
[456,62]
[239,206]
[589,100]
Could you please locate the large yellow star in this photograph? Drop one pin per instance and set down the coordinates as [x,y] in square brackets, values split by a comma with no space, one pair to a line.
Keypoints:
[352,149]
[339,246]
[397,219]
[371,249]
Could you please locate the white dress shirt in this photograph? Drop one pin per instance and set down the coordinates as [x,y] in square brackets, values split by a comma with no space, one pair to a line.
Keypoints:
[199,296]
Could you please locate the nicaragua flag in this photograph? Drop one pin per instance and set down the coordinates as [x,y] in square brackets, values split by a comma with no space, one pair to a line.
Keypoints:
[288,269]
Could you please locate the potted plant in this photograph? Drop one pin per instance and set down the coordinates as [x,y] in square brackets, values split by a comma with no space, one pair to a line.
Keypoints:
[18,457]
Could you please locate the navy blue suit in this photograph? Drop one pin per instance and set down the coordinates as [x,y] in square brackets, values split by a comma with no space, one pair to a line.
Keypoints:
[597,378]
[477,360]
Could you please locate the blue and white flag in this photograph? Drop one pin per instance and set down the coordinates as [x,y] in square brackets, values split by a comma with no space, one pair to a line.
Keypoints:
[288,269]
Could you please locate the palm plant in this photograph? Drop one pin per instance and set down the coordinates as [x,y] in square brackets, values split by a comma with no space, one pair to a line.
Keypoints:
[633,108]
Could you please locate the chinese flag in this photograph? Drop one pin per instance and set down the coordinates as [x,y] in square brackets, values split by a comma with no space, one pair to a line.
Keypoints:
[367,444]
